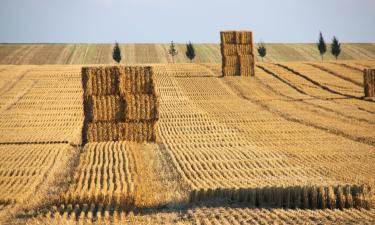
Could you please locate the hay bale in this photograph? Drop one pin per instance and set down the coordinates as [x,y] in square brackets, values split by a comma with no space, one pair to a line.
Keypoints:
[237,53]
[229,61]
[246,71]
[369,82]
[137,132]
[228,37]
[231,71]
[119,104]
[228,50]
[244,37]
[100,80]
[136,80]
[105,108]
[102,131]
[141,107]
[244,49]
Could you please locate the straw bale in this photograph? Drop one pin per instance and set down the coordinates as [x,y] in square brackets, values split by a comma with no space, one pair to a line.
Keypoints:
[102,131]
[231,70]
[369,82]
[100,80]
[106,108]
[138,132]
[230,61]
[246,60]
[141,107]
[136,80]
[244,37]
[228,49]
[246,71]
[228,37]
[244,49]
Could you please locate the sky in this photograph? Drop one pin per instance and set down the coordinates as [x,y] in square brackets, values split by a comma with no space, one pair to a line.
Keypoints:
[198,21]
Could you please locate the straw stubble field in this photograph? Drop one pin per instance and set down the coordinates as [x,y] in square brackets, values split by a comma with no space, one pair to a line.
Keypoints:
[294,144]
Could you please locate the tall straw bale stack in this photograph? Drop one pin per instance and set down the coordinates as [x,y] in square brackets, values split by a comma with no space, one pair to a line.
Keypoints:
[369,82]
[119,104]
[237,53]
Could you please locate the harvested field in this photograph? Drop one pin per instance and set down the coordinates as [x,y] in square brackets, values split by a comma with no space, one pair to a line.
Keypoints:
[294,144]
[237,136]
[36,54]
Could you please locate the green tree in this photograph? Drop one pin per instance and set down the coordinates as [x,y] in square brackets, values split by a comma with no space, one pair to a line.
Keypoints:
[116,54]
[172,51]
[335,47]
[190,51]
[262,50]
[322,47]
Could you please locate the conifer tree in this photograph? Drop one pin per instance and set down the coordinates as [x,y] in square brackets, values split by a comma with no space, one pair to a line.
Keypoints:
[335,47]
[190,51]
[262,50]
[322,47]
[116,54]
[172,51]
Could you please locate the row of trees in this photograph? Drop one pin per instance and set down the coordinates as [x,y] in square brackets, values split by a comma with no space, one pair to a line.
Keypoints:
[322,47]
[190,52]
[262,49]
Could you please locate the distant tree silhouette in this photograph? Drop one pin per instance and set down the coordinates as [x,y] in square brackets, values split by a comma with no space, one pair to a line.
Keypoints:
[335,47]
[172,51]
[190,51]
[262,50]
[116,54]
[322,47]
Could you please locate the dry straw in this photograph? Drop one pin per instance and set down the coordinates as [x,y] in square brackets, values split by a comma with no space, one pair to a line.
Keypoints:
[237,53]
[119,104]
[303,197]
[369,82]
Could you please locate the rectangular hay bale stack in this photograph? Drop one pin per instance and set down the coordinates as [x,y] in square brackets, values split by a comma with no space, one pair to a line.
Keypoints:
[237,53]
[369,82]
[119,104]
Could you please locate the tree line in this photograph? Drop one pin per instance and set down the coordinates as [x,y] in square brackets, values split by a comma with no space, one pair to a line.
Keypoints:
[190,52]
[262,49]
[321,45]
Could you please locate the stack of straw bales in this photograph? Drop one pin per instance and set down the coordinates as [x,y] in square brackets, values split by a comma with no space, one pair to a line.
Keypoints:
[119,104]
[237,53]
[369,82]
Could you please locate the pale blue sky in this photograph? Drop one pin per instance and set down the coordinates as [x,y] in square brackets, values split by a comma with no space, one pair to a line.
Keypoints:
[151,21]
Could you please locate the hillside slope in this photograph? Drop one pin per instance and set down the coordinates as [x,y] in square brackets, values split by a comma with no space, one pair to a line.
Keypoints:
[287,146]
[158,53]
